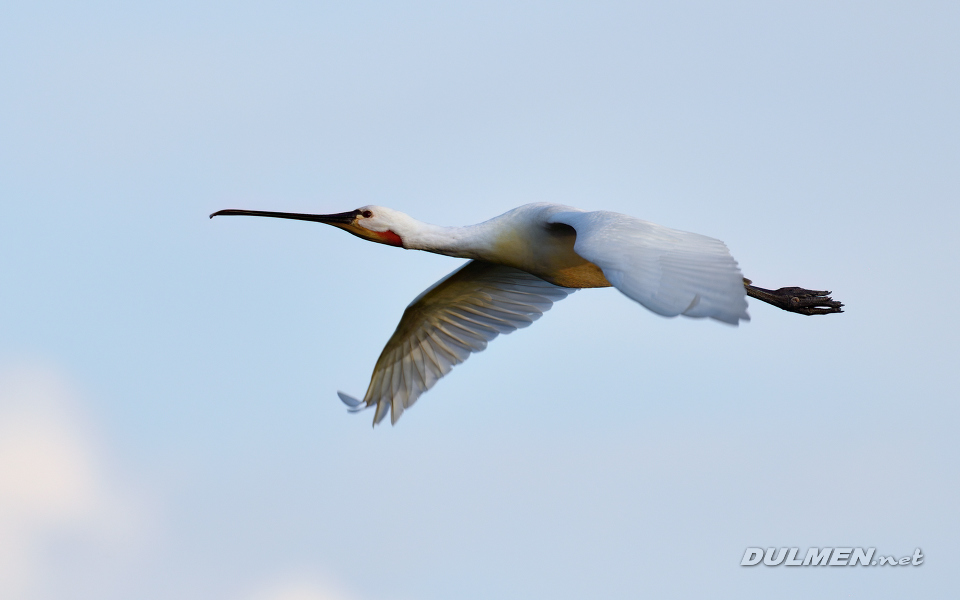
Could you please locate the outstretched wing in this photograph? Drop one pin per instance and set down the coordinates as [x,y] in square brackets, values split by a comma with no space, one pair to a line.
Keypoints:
[455,317]
[668,271]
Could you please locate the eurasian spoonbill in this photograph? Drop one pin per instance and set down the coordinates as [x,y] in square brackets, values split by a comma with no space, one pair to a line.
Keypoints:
[520,264]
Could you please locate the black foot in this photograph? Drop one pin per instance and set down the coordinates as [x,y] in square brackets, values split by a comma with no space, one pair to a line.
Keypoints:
[795,299]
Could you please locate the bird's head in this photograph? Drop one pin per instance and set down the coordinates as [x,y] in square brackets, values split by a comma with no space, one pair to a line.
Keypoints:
[374,223]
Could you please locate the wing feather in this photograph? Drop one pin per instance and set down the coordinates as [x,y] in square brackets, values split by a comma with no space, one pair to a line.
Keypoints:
[452,319]
[670,272]
[416,357]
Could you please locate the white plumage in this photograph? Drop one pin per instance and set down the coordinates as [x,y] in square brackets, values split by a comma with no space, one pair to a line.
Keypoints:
[668,271]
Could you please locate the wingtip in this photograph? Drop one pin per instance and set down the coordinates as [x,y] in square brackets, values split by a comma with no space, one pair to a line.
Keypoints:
[348,399]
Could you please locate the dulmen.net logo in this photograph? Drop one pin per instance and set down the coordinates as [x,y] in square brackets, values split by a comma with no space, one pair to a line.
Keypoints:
[819,557]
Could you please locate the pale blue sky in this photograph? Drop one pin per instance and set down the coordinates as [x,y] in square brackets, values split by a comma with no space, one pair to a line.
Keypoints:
[605,452]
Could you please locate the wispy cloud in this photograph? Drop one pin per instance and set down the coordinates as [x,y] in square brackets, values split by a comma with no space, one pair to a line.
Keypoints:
[60,507]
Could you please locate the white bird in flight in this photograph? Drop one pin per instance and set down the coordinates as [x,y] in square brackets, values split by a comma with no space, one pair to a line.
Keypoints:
[521,263]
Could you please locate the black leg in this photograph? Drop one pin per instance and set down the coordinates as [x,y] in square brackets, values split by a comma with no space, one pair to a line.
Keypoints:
[795,299]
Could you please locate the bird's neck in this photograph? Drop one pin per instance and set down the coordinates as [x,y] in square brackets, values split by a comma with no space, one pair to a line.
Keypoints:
[462,242]
[512,238]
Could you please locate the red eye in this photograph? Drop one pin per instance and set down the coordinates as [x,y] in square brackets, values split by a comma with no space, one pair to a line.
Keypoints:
[367,214]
